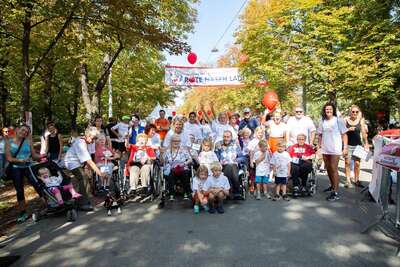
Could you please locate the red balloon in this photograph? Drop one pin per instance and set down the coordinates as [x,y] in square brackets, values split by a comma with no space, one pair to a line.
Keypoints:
[199,113]
[192,58]
[270,100]
[173,113]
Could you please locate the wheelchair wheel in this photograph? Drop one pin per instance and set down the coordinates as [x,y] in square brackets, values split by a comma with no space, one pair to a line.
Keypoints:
[156,181]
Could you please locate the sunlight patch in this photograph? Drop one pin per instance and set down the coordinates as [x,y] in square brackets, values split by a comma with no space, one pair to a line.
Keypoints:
[194,246]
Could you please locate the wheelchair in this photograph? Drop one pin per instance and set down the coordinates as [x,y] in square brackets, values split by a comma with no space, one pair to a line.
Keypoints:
[152,191]
[311,185]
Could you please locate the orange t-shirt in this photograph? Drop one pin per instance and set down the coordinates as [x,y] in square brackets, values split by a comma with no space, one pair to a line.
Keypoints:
[163,123]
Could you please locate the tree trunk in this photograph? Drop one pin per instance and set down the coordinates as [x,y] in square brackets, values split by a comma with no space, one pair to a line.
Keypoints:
[47,90]
[3,94]
[26,77]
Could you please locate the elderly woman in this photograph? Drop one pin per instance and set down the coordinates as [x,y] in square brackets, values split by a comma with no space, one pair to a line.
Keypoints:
[19,153]
[301,165]
[176,160]
[74,160]
[140,162]
[177,129]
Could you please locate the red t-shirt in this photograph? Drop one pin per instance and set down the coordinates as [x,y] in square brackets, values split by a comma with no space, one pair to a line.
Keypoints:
[296,151]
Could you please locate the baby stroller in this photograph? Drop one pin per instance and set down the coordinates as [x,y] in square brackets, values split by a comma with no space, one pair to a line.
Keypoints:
[53,208]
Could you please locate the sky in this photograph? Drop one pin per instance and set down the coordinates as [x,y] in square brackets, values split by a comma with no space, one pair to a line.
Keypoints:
[213,18]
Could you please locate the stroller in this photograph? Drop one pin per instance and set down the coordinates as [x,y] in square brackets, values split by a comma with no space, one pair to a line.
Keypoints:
[53,208]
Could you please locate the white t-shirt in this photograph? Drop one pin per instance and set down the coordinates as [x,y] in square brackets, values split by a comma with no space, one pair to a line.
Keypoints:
[263,167]
[331,131]
[185,139]
[218,182]
[207,158]
[122,129]
[154,142]
[219,129]
[281,162]
[198,184]
[77,154]
[253,145]
[277,130]
[295,126]
[194,129]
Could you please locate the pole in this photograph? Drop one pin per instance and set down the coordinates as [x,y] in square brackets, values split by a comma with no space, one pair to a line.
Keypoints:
[110,109]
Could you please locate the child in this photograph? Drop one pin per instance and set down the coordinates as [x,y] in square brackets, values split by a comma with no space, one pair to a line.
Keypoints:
[54,184]
[217,187]
[200,196]
[244,141]
[281,166]
[262,159]
[207,156]
[102,157]
[194,151]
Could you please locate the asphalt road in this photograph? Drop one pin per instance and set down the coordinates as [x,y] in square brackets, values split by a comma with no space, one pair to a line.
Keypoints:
[302,232]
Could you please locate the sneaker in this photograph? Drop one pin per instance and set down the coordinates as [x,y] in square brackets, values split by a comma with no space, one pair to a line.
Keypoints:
[267,195]
[276,198]
[23,216]
[258,197]
[205,207]
[329,189]
[212,210]
[76,196]
[171,198]
[185,196]
[107,188]
[196,209]
[296,191]
[333,196]
[286,197]
[220,209]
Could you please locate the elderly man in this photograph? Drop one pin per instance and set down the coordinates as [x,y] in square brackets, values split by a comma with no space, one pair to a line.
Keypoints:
[301,165]
[300,124]
[227,152]
[248,121]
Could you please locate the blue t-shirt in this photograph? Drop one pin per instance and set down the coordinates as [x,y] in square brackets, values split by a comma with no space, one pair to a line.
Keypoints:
[24,153]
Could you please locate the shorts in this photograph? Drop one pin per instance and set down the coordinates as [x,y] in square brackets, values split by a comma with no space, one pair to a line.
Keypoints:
[281,180]
[350,152]
[262,179]
[118,146]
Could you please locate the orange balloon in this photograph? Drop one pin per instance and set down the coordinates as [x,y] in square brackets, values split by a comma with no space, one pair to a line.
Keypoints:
[270,100]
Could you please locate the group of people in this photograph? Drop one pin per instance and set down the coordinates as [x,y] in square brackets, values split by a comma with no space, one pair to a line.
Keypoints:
[215,146]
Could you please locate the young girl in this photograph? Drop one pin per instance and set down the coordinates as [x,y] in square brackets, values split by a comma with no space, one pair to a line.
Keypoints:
[281,165]
[102,157]
[200,196]
[262,160]
[54,184]
[244,141]
[217,186]
[207,156]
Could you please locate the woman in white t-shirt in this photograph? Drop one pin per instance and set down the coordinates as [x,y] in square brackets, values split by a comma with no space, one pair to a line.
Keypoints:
[332,140]
[277,131]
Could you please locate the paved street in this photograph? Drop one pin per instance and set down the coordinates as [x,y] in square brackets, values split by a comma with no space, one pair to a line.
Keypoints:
[302,232]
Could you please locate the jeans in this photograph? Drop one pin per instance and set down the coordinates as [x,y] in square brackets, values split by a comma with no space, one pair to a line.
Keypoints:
[18,175]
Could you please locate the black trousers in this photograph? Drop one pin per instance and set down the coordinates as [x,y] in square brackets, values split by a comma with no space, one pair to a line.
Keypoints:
[231,171]
[184,178]
[300,171]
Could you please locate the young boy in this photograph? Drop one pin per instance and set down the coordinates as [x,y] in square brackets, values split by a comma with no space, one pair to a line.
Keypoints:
[200,196]
[281,166]
[217,187]
[262,159]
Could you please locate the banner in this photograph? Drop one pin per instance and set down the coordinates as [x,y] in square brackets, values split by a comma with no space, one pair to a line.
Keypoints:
[192,76]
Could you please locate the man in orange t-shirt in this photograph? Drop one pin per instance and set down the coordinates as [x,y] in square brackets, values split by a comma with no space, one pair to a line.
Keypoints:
[162,125]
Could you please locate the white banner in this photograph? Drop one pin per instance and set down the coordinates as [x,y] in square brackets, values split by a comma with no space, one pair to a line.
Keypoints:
[192,76]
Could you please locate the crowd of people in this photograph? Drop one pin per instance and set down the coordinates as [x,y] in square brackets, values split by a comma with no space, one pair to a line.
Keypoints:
[275,147]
